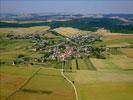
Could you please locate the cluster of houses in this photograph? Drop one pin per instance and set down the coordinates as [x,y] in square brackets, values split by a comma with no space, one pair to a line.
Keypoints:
[60,50]
[80,47]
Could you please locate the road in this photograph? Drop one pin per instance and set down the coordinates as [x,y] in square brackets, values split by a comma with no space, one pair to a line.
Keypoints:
[75,90]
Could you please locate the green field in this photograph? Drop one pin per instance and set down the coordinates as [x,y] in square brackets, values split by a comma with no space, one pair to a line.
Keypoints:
[116,42]
[47,83]
[12,78]
[107,81]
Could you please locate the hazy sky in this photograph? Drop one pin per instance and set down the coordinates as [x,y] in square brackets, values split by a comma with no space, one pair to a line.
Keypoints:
[66,6]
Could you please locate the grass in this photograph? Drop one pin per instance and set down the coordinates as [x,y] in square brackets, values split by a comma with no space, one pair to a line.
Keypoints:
[73,64]
[85,64]
[119,42]
[12,78]
[122,61]
[89,64]
[12,48]
[106,91]
[48,84]
[111,80]
[21,71]
[105,64]
[82,65]
[104,84]
[50,35]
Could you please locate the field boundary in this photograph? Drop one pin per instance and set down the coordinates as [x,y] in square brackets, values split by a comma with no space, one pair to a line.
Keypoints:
[27,81]
[62,73]
[92,65]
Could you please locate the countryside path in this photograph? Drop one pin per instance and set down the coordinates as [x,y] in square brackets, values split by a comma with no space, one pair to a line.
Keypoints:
[62,73]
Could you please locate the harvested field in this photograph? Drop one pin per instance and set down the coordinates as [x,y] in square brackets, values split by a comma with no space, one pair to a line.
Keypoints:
[22,31]
[68,31]
[127,51]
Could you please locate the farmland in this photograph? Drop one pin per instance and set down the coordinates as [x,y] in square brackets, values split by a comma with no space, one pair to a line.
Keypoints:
[127,51]
[68,31]
[109,81]
[26,83]
[99,64]
[22,31]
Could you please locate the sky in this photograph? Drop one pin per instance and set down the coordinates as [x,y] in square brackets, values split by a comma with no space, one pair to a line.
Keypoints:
[67,6]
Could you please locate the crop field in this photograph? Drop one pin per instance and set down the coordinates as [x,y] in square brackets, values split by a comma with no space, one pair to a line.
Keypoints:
[68,31]
[22,31]
[12,77]
[74,64]
[122,61]
[47,83]
[82,65]
[10,49]
[127,51]
[101,64]
[49,35]
[31,68]
[103,84]
[114,62]
[85,64]
[116,42]
[109,79]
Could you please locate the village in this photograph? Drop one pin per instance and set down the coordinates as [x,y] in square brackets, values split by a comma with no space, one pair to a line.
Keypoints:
[69,48]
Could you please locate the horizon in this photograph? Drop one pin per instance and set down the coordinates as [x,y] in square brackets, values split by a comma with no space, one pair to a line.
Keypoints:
[67,6]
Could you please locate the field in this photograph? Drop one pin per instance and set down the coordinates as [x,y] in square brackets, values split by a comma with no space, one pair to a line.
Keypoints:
[68,31]
[10,49]
[22,31]
[119,42]
[12,78]
[110,79]
[47,83]
[94,79]
[127,51]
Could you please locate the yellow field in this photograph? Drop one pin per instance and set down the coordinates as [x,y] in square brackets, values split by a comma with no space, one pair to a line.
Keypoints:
[122,61]
[109,36]
[127,51]
[23,31]
[68,31]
